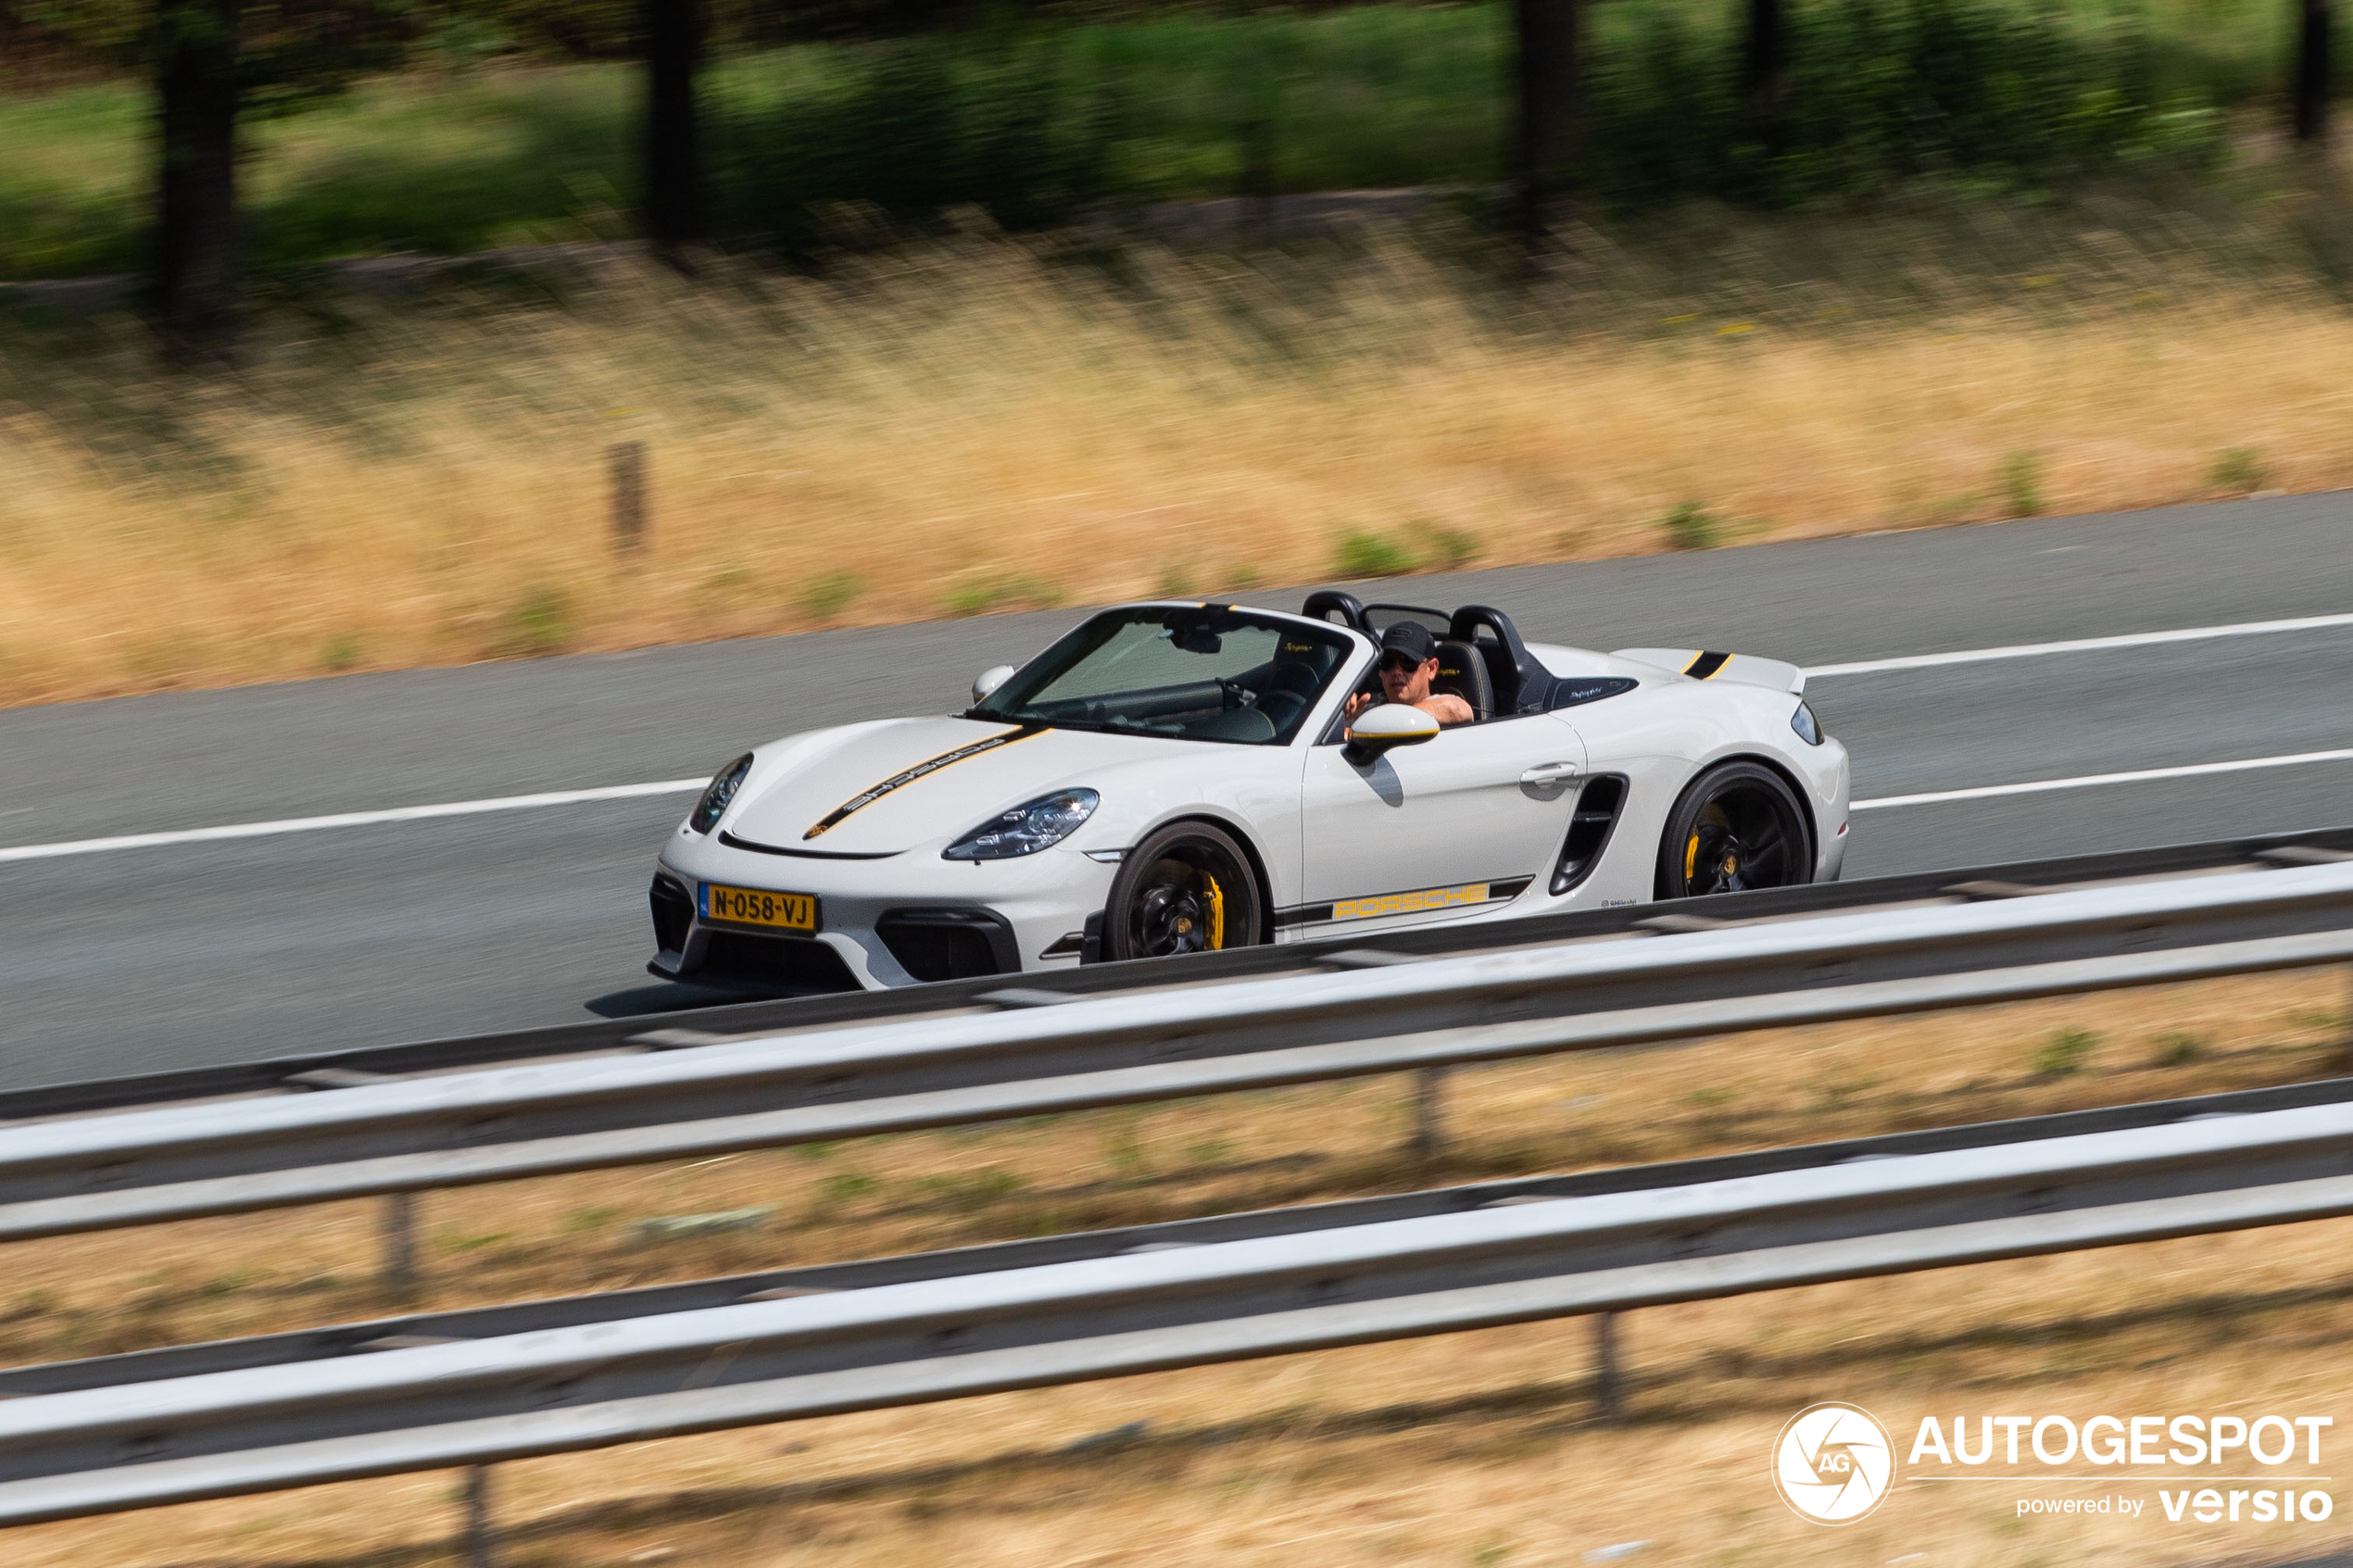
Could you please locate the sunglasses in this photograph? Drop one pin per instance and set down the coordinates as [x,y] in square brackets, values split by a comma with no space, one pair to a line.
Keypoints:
[1400,661]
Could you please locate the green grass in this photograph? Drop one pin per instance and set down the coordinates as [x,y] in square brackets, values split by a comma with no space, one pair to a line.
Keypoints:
[1032,121]
[1690,526]
[2063,1054]
[1360,555]
[2022,484]
[2238,469]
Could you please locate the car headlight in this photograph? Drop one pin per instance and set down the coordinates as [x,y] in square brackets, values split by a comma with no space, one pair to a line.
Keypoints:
[721,792]
[1808,728]
[1026,830]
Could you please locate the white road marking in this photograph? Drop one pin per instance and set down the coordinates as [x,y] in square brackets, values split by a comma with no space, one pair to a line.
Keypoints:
[2081,644]
[1913,661]
[2037,787]
[350,820]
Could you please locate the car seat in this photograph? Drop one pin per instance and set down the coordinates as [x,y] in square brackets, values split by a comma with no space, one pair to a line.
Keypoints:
[1463,673]
[1518,678]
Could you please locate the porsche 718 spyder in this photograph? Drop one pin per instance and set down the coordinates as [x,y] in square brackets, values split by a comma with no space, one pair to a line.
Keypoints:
[1171,778]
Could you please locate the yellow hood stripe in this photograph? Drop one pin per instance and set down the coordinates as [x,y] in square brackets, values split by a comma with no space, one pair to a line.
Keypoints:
[923,770]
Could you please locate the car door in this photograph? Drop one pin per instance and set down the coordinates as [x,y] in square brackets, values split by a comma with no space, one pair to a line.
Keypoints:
[1465,818]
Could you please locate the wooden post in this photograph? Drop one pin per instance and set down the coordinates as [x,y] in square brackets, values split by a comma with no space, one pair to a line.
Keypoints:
[1429,1110]
[400,1243]
[1608,1383]
[480,1548]
[628,465]
[2345,1050]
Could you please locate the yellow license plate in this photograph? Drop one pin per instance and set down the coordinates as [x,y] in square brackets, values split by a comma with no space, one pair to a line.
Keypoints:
[760,905]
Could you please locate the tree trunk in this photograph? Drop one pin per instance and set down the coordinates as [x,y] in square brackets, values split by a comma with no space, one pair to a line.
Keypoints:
[198,243]
[2312,75]
[1552,118]
[1761,68]
[673,206]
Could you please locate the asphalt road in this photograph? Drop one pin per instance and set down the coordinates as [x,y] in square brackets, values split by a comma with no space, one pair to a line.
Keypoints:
[182,953]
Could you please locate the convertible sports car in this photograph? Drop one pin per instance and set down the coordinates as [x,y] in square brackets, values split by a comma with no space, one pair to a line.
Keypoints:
[1169,778]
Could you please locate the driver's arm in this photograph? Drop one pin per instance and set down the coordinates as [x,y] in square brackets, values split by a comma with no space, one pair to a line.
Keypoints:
[1446,708]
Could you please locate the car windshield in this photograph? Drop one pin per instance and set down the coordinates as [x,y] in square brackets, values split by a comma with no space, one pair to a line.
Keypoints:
[1195,672]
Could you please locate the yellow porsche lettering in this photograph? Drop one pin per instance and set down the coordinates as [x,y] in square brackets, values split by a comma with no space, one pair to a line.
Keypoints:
[1410,903]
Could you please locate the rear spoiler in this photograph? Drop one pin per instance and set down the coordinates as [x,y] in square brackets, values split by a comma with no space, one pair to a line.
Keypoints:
[1701,665]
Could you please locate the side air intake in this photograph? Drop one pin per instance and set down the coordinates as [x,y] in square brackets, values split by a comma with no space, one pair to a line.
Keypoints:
[1589,829]
[673,909]
[950,943]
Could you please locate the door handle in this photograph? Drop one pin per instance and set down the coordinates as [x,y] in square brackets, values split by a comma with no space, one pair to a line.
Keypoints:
[1549,772]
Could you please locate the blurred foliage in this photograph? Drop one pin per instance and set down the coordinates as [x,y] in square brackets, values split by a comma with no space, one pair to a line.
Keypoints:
[541,623]
[1689,526]
[289,51]
[2063,1054]
[1035,122]
[918,127]
[1879,91]
[1455,547]
[1360,555]
[2022,484]
[1031,124]
[2237,470]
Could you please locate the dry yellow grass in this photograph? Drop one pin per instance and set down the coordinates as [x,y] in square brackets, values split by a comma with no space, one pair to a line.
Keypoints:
[1435,1451]
[981,426]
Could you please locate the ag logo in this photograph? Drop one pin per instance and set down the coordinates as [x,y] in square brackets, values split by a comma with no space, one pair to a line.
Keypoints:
[1833,1463]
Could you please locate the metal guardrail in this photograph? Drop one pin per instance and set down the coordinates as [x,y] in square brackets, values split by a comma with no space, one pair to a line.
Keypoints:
[309,1345]
[91,1172]
[311,1070]
[1525,1256]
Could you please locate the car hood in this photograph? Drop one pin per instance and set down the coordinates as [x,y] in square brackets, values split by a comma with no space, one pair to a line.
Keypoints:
[877,789]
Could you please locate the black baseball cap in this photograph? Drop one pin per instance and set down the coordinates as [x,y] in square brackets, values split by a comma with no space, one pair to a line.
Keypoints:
[1409,638]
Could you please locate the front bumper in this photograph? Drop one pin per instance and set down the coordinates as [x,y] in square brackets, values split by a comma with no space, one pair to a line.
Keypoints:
[898,920]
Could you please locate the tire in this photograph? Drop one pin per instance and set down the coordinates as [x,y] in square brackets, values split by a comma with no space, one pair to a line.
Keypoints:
[1188,888]
[1738,827]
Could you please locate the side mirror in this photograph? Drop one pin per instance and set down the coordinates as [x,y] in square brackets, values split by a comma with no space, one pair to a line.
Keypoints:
[990,679]
[1385,725]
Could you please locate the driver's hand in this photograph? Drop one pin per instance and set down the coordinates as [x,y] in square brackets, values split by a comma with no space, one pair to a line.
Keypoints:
[1358,703]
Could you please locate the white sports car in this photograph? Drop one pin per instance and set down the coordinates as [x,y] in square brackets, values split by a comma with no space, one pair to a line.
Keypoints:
[1169,778]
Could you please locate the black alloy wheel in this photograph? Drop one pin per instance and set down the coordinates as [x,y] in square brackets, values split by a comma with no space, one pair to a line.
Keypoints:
[1186,889]
[1738,827]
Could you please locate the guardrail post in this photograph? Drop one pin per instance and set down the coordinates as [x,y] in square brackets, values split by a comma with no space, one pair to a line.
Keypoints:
[480,1548]
[1429,1110]
[1608,1383]
[400,1243]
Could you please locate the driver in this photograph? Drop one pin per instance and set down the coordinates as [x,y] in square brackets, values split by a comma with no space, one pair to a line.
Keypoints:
[1408,664]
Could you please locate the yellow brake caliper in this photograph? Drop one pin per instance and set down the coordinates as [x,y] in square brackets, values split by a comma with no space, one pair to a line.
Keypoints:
[1691,859]
[1216,913]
